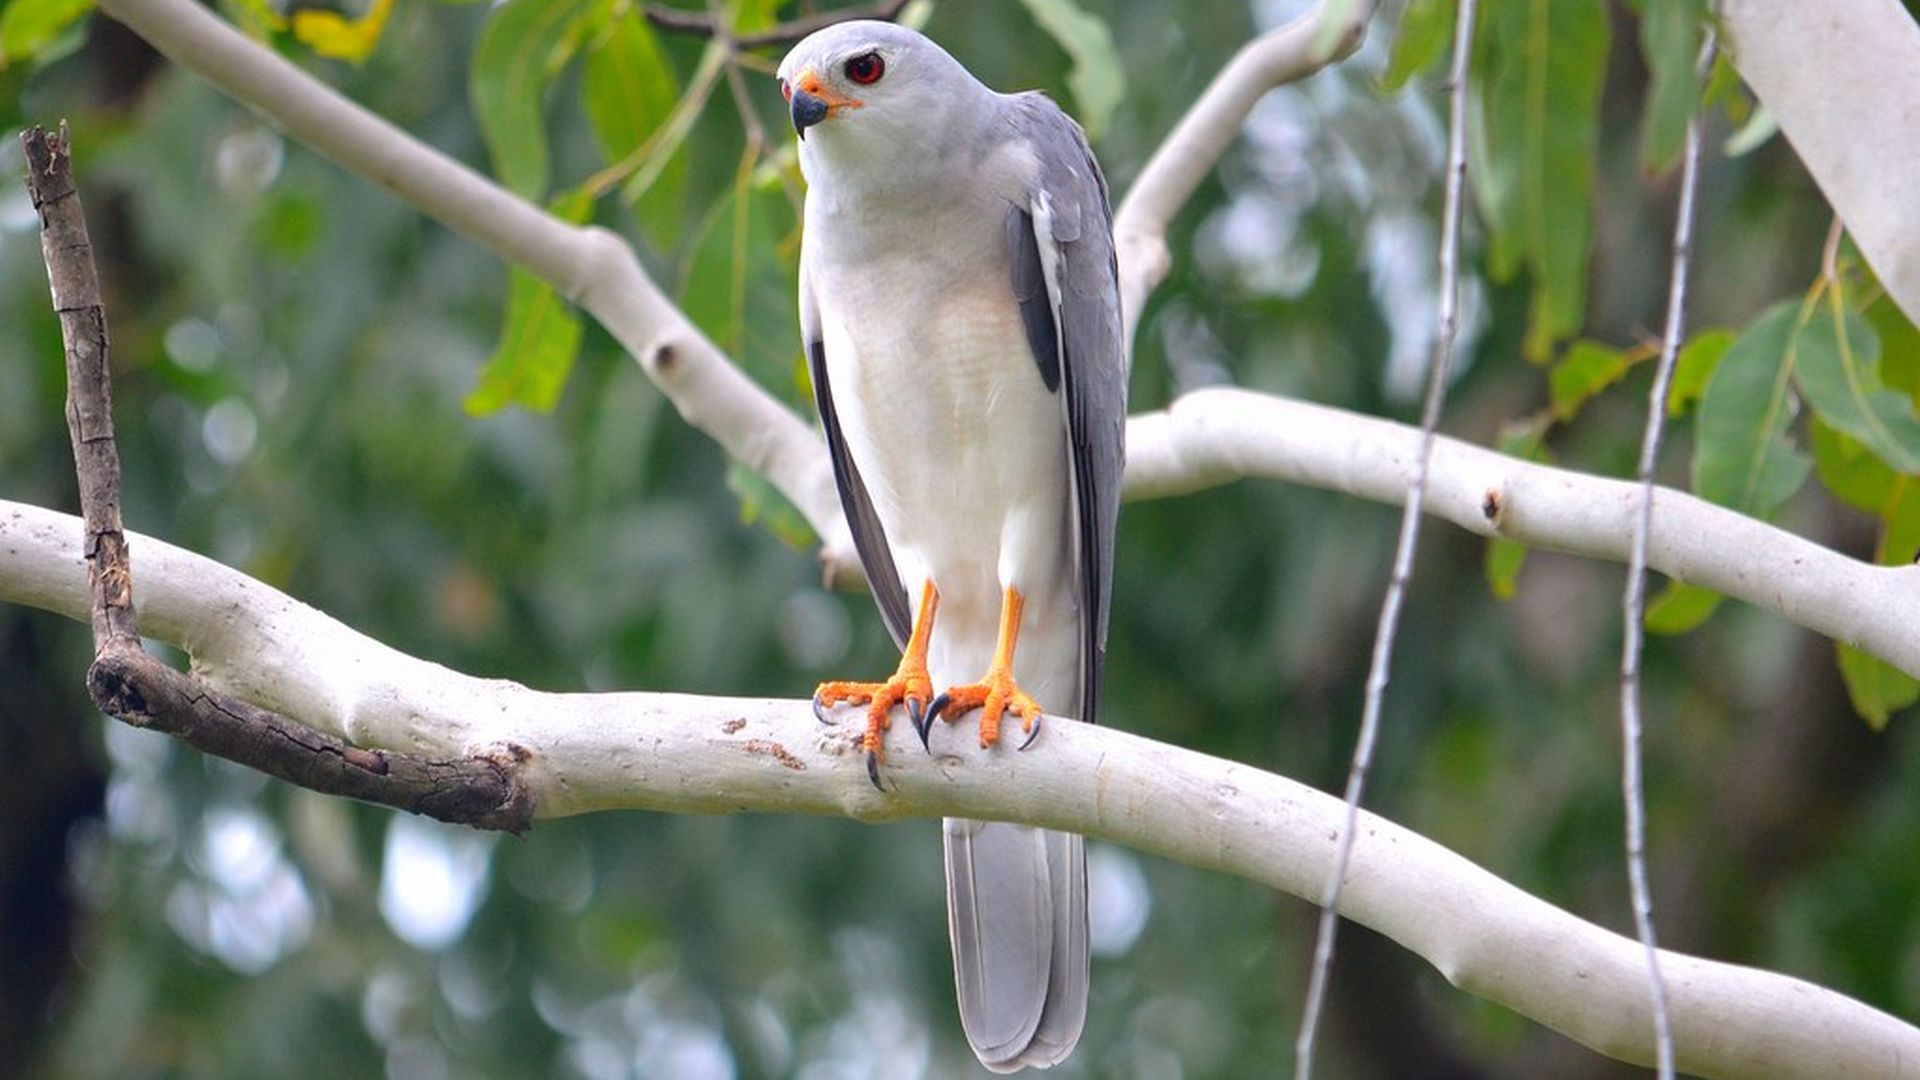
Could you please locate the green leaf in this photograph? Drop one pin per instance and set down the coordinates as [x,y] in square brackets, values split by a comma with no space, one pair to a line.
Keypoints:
[1694,366]
[1670,40]
[660,158]
[1504,559]
[13,79]
[741,278]
[627,87]
[1850,471]
[1097,80]
[1541,64]
[524,44]
[1725,88]
[1876,688]
[1680,608]
[1837,367]
[752,16]
[1754,134]
[28,26]
[628,91]
[1586,368]
[761,502]
[1899,346]
[1526,441]
[1900,535]
[1743,456]
[1420,42]
[539,337]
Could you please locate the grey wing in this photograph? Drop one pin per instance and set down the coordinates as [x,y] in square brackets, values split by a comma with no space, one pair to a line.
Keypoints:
[869,539]
[1067,281]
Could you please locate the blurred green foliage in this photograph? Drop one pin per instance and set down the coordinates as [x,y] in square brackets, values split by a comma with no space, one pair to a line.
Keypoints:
[295,348]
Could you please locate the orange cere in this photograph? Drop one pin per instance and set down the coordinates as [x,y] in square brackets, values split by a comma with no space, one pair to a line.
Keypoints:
[809,81]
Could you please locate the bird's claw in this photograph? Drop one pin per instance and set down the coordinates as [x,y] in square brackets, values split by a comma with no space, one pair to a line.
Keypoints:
[909,686]
[995,696]
[924,724]
[1033,732]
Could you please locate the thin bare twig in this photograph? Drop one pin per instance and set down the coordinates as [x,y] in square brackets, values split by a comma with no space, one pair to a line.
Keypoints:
[680,21]
[1437,378]
[1633,602]
[484,790]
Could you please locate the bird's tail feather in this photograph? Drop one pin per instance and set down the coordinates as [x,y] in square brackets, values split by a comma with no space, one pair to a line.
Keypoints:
[1017,909]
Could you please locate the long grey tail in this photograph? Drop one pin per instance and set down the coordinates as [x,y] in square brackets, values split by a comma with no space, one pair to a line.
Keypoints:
[1017,910]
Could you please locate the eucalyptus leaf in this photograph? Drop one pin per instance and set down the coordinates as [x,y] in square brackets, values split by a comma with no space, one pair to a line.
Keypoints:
[628,91]
[1679,608]
[1670,33]
[1585,369]
[740,280]
[1854,474]
[28,26]
[761,503]
[1899,346]
[539,337]
[1836,364]
[1419,42]
[523,46]
[1744,457]
[1876,688]
[1695,365]
[1097,80]
[1760,127]
[1542,64]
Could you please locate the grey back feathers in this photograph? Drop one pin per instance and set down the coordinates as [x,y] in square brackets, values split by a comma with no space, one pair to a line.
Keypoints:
[1086,341]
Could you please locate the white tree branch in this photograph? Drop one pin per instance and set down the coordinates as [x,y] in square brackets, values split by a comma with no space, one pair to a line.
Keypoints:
[1189,153]
[1843,79]
[585,752]
[1214,436]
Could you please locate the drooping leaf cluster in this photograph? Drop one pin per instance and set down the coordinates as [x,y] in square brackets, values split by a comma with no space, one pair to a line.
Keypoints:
[1824,386]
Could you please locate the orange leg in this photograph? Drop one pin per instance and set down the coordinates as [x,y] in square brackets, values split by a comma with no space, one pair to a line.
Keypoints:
[910,684]
[996,694]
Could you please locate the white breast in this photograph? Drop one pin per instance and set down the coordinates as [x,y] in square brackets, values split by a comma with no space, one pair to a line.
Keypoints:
[961,446]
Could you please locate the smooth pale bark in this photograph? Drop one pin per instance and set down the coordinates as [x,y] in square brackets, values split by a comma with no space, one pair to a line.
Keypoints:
[676,752]
[1843,79]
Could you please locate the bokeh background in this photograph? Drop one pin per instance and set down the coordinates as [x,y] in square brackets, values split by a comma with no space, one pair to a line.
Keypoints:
[295,352]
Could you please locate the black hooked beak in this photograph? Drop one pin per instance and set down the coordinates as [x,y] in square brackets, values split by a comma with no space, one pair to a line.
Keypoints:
[807,111]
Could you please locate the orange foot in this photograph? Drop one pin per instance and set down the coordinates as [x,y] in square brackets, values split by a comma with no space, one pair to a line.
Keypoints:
[997,693]
[995,696]
[910,684]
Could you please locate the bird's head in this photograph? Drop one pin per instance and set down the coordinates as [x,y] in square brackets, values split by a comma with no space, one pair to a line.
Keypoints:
[867,93]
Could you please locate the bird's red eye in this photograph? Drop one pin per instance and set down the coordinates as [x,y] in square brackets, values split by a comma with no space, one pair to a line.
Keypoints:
[786,89]
[866,68]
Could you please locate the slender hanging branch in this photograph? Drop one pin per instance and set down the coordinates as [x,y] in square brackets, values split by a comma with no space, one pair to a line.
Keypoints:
[1438,377]
[484,789]
[1633,601]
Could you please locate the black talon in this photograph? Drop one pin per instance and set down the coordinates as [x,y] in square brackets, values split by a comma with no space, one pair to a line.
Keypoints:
[873,770]
[1034,734]
[819,713]
[939,706]
[922,722]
